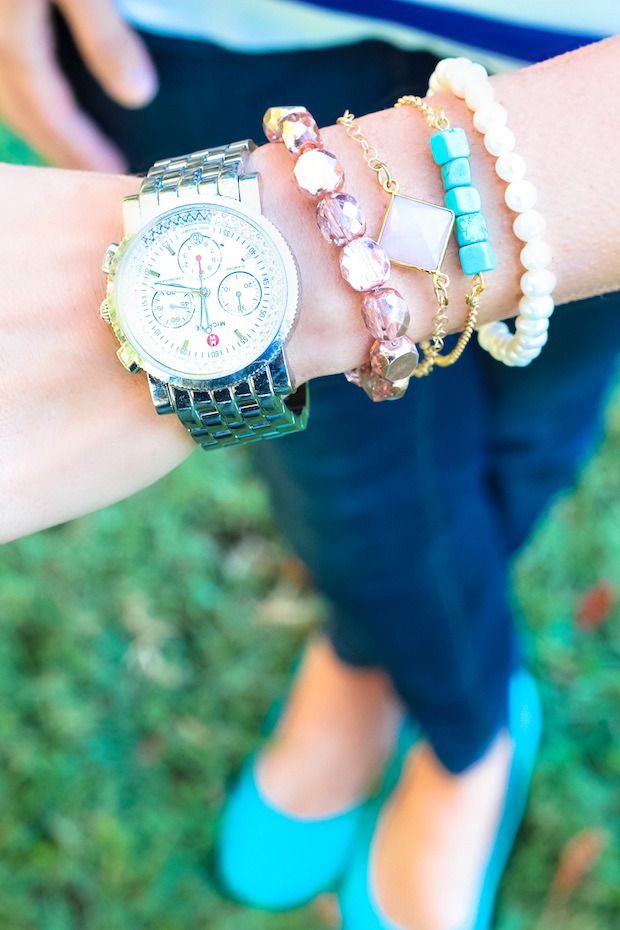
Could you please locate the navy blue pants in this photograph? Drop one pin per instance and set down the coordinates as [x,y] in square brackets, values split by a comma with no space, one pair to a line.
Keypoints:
[407,513]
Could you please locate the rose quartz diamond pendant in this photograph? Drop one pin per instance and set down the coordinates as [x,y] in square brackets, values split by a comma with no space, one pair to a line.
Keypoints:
[415,233]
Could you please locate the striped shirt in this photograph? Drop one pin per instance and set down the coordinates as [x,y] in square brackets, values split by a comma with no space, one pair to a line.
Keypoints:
[500,34]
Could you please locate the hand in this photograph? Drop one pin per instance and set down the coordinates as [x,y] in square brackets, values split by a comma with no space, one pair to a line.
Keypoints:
[36,100]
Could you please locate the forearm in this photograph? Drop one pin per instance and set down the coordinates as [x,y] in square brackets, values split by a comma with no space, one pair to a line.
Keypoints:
[559,111]
[78,432]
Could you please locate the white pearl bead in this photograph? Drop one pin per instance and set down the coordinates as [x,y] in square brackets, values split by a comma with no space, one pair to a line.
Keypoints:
[491,114]
[458,74]
[478,93]
[529,225]
[499,139]
[521,351]
[496,328]
[514,358]
[434,84]
[479,71]
[496,346]
[525,358]
[536,254]
[538,282]
[531,327]
[520,196]
[536,308]
[534,342]
[441,71]
[511,167]
[483,337]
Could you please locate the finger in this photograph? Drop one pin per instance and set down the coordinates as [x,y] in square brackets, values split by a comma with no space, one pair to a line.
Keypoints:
[112,50]
[38,104]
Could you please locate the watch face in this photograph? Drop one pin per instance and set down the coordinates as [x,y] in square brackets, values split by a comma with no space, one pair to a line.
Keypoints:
[202,292]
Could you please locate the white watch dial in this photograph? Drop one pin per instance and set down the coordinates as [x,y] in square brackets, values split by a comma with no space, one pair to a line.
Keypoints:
[201,292]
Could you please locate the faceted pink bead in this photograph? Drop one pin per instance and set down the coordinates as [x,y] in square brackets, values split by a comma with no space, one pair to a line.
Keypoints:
[364,264]
[377,388]
[300,132]
[394,360]
[354,376]
[271,121]
[318,173]
[340,219]
[385,313]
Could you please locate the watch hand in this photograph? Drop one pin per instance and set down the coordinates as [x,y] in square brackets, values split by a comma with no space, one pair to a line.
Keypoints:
[204,310]
[239,304]
[164,286]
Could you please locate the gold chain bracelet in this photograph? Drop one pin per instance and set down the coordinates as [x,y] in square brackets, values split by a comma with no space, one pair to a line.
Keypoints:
[436,119]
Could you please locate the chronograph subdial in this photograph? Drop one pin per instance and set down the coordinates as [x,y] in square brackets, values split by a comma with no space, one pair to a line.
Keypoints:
[199,255]
[239,293]
[173,308]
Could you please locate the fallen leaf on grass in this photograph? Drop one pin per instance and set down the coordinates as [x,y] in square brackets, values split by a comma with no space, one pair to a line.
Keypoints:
[595,607]
[578,858]
[285,606]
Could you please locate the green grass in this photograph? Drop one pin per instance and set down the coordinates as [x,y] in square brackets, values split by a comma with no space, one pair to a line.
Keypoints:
[141,647]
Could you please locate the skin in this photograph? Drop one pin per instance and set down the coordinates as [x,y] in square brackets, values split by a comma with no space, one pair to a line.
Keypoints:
[64,220]
[36,100]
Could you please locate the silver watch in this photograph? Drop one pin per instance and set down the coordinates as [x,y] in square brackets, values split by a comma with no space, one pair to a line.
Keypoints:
[203,293]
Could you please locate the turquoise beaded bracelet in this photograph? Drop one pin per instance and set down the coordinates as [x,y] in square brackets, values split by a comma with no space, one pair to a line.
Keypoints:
[450,150]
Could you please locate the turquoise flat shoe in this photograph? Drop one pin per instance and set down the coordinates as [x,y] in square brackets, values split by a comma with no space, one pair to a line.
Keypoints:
[271,860]
[268,859]
[358,904]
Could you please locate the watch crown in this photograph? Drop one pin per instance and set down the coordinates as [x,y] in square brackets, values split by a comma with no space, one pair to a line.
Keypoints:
[127,361]
[107,258]
[104,311]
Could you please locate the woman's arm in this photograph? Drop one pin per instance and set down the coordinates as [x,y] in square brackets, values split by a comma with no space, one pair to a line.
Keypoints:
[564,116]
[78,432]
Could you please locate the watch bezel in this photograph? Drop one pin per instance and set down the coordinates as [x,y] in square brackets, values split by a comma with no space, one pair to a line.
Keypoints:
[289,318]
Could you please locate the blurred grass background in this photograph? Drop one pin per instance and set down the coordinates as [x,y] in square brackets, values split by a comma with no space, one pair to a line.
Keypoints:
[141,647]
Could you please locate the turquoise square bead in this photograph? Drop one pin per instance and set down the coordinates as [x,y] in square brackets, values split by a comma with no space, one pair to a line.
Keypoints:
[471,227]
[456,173]
[476,258]
[449,144]
[463,200]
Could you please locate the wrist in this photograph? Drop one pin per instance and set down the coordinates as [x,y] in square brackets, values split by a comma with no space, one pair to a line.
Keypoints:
[331,336]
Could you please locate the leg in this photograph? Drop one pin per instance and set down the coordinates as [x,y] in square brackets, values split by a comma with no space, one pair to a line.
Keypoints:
[542,422]
[546,419]
[388,506]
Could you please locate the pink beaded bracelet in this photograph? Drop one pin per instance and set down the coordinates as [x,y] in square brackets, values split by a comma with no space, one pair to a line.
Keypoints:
[363,263]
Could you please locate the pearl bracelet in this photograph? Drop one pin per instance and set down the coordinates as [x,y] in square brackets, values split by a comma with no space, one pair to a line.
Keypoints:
[470,81]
